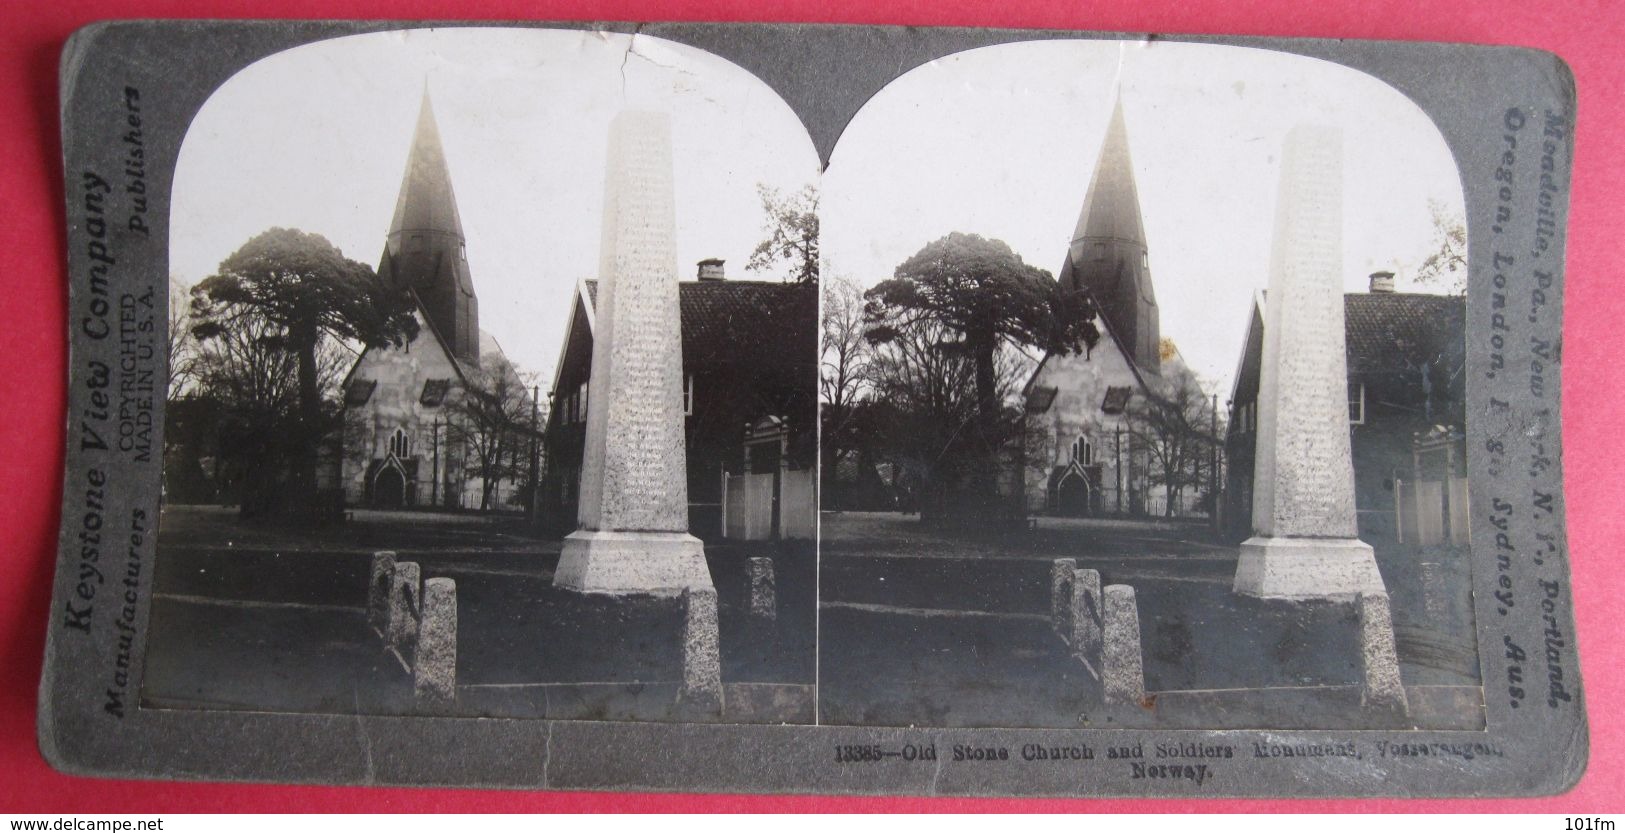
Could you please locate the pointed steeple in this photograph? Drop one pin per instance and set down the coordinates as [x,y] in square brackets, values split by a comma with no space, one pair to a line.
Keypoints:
[1111,208]
[1108,256]
[426,250]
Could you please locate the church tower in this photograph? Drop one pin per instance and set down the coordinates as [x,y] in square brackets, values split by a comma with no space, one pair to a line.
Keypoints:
[426,250]
[1108,255]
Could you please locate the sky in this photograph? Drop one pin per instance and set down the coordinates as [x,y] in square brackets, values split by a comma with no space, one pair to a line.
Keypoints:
[316,138]
[1001,141]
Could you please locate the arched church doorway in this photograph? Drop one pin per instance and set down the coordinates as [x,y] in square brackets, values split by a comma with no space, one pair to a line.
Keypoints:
[1072,496]
[389,490]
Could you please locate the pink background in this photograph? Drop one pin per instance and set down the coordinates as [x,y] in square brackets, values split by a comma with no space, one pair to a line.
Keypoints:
[1587,33]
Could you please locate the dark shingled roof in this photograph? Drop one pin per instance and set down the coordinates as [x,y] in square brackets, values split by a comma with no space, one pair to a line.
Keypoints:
[1396,331]
[434,392]
[1116,400]
[1040,398]
[725,321]
[359,391]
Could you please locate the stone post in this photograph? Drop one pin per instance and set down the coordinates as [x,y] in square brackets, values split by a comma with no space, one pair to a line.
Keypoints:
[405,598]
[701,692]
[434,668]
[633,518]
[764,601]
[383,567]
[1122,672]
[1304,543]
[1381,687]
[1086,625]
[1060,594]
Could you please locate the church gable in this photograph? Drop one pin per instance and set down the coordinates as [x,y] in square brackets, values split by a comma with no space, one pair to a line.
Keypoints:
[400,380]
[1085,397]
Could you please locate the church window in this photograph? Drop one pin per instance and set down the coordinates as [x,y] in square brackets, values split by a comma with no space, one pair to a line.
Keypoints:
[1083,451]
[400,444]
[585,389]
[688,396]
[1356,403]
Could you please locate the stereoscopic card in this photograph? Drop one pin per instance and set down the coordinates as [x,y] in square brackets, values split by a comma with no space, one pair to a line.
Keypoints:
[772,408]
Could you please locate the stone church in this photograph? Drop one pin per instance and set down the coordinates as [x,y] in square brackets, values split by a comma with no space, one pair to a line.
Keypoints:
[408,441]
[1079,403]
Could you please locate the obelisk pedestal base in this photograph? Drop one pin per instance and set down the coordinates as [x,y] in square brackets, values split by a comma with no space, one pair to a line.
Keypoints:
[627,563]
[1307,568]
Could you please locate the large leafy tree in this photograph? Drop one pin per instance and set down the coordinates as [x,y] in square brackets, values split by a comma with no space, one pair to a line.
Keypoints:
[294,292]
[792,235]
[979,297]
[1445,267]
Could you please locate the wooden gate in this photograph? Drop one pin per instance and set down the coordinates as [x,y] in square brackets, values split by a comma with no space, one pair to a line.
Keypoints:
[748,507]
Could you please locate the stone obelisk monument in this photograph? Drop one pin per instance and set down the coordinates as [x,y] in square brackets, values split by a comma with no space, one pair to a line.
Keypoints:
[633,518]
[1305,544]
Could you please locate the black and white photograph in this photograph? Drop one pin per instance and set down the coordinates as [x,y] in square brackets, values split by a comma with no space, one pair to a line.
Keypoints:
[784,408]
[1143,373]
[492,386]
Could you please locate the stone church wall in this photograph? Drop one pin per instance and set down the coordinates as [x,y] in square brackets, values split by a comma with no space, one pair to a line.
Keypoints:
[397,403]
[1081,381]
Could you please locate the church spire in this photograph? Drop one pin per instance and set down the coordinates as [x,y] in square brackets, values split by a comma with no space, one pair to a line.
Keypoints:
[1108,256]
[425,249]
[1111,208]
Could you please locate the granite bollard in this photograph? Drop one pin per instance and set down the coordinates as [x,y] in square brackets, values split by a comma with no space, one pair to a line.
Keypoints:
[1304,543]
[1122,670]
[1060,594]
[405,598]
[633,515]
[1085,625]
[383,567]
[434,667]
[1381,687]
[701,692]
[764,602]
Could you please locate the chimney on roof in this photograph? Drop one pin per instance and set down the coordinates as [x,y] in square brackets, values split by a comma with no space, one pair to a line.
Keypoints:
[711,269]
[1382,283]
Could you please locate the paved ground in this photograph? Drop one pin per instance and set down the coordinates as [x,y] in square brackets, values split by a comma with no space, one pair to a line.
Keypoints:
[266,618]
[924,626]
